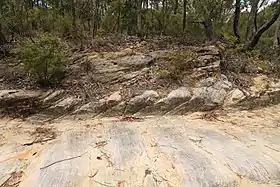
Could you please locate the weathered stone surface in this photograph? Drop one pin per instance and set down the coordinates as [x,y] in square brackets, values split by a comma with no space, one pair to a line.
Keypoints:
[64,105]
[56,95]
[116,110]
[209,96]
[141,101]
[114,98]
[210,81]
[19,102]
[152,152]
[207,58]
[275,85]
[92,108]
[209,50]
[203,99]
[101,106]
[136,61]
[221,83]
[174,98]
[18,94]
[234,97]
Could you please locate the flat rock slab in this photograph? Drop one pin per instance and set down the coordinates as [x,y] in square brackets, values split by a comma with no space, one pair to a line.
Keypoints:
[157,151]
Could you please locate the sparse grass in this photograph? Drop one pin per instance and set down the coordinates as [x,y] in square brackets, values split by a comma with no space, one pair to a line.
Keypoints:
[176,64]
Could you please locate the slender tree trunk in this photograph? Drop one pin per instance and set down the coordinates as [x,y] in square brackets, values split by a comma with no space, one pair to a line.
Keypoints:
[252,17]
[184,15]
[139,19]
[276,37]
[250,44]
[2,36]
[119,16]
[73,9]
[176,6]
[209,30]
[236,20]
[96,18]
[62,8]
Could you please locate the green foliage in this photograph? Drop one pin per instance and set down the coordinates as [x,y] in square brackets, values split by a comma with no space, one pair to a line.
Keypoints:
[45,59]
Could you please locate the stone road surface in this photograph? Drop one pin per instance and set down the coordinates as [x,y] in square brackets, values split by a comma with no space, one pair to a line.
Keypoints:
[238,148]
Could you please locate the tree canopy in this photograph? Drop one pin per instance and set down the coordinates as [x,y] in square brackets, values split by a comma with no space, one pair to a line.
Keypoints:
[241,21]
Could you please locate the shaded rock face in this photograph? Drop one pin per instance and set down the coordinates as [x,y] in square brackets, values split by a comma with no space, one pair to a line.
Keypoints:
[19,102]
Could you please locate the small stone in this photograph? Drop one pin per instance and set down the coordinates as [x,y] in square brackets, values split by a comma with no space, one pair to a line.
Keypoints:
[195,139]
[114,98]
[234,97]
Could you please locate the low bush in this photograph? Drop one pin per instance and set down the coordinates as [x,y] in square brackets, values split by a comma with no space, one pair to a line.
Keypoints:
[44,59]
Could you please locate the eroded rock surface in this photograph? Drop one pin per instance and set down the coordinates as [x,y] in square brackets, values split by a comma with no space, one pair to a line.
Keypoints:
[127,82]
[237,149]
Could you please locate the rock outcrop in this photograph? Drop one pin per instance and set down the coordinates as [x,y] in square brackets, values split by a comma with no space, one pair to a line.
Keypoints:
[131,87]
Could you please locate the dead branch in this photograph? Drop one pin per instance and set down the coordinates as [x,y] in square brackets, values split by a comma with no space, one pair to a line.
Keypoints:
[38,141]
[62,161]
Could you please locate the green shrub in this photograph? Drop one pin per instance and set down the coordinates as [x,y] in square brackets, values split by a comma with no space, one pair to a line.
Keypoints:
[44,59]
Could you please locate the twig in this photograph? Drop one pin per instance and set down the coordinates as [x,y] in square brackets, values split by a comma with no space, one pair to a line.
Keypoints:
[37,141]
[272,148]
[91,176]
[5,182]
[62,161]
[168,146]
[103,184]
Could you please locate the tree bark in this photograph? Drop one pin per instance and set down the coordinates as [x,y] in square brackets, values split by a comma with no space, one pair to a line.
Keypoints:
[139,19]
[209,30]
[184,15]
[73,9]
[3,39]
[276,37]
[251,20]
[119,16]
[236,20]
[250,44]
[176,6]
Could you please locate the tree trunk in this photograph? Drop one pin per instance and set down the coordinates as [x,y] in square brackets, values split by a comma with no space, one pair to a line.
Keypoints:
[96,18]
[236,20]
[139,19]
[119,16]
[209,31]
[3,39]
[276,34]
[73,9]
[176,6]
[250,44]
[184,15]
[251,20]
